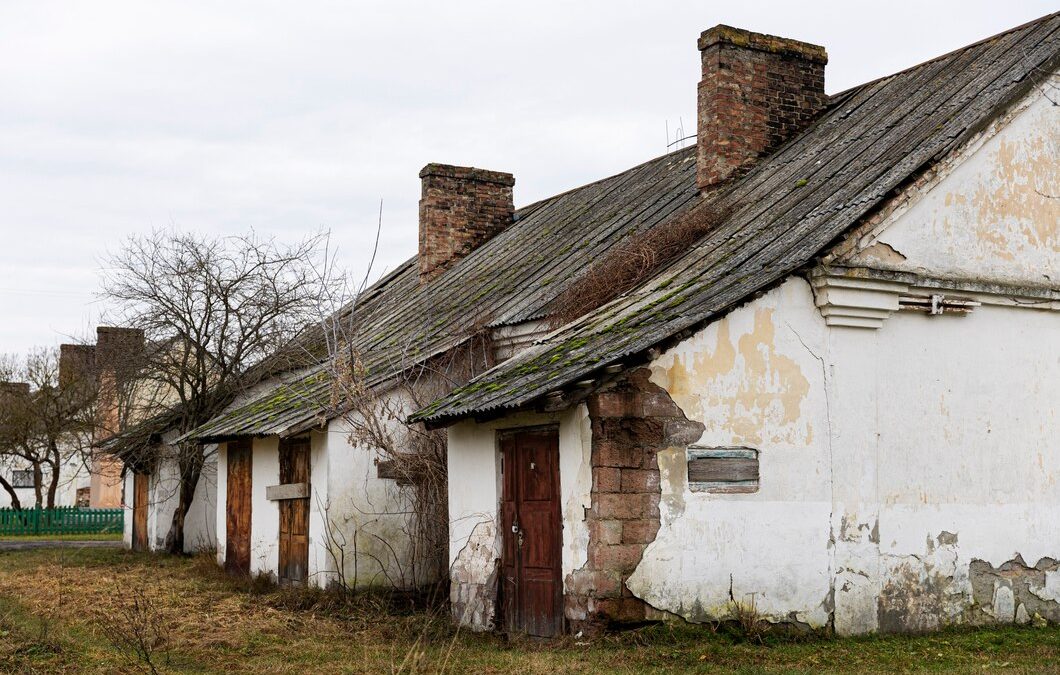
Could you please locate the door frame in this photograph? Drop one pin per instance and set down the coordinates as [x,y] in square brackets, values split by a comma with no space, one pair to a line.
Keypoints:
[508,596]
[289,505]
[244,446]
[140,510]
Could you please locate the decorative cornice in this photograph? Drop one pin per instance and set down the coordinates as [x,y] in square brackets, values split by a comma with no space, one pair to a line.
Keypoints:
[862,297]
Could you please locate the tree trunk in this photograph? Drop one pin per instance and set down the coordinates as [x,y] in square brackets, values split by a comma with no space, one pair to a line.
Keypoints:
[10,490]
[54,463]
[190,462]
[53,486]
[38,481]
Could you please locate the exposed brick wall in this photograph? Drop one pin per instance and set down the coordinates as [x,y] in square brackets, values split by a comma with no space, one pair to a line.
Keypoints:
[460,209]
[757,91]
[631,422]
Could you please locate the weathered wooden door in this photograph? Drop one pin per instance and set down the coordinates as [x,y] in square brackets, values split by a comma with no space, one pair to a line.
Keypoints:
[237,502]
[531,586]
[294,512]
[139,523]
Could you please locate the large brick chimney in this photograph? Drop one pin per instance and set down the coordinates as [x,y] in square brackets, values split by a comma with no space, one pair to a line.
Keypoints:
[117,357]
[460,209]
[757,91]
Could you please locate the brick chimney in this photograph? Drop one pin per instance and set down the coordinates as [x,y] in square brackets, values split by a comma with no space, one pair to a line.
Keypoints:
[461,208]
[116,357]
[13,389]
[757,91]
[76,364]
[116,347]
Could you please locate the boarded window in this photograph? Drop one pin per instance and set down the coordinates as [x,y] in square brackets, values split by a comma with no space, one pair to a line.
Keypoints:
[722,470]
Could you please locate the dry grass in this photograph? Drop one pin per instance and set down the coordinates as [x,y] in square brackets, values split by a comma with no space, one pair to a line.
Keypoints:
[633,261]
[53,606]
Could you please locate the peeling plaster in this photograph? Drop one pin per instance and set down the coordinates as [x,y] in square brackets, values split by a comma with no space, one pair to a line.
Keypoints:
[747,388]
[992,215]
[474,575]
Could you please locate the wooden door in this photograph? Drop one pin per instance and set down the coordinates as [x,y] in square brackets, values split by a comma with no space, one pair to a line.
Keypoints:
[531,587]
[294,513]
[237,504]
[139,523]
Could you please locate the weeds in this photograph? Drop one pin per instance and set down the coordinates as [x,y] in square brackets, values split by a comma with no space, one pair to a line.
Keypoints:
[752,625]
[633,261]
[138,631]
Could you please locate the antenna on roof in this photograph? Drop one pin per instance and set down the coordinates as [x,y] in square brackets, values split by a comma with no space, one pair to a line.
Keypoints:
[679,135]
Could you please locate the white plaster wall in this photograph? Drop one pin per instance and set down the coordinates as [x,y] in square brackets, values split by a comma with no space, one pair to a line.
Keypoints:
[264,514]
[356,520]
[968,449]
[754,379]
[890,460]
[26,497]
[200,521]
[994,216]
[474,501]
[221,495]
[127,518]
[370,517]
[73,475]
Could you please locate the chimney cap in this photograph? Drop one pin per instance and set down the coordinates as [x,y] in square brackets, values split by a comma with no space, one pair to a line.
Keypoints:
[467,173]
[738,37]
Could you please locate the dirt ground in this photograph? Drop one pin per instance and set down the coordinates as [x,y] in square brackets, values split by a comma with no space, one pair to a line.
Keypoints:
[91,610]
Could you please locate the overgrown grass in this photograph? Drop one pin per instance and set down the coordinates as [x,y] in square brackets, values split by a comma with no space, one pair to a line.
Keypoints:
[103,536]
[55,606]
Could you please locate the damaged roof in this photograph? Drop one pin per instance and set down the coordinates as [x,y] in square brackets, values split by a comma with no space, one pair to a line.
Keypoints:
[510,279]
[872,140]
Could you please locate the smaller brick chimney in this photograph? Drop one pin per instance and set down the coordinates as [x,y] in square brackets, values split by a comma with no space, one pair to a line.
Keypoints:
[757,91]
[461,208]
[13,389]
[76,364]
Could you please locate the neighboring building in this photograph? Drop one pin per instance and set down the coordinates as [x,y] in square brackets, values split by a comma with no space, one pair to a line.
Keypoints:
[151,487]
[21,481]
[840,404]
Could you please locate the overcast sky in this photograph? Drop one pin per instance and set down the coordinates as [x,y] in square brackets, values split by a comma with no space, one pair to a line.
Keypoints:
[289,118]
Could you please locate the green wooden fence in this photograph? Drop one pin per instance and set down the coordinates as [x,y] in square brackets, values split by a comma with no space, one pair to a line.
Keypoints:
[60,520]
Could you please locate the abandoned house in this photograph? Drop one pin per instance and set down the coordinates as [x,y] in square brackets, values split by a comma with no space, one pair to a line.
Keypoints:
[828,388]
[839,404]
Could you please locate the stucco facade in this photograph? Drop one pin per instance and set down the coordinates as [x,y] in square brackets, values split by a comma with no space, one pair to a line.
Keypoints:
[901,402]
[359,523]
[163,485]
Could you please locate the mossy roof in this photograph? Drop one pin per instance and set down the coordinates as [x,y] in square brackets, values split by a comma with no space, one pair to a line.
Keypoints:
[784,213]
[511,279]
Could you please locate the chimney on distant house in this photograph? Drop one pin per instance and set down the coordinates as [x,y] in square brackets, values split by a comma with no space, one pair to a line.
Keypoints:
[13,389]
[116,358]
[461,208]
[76,364]
[117,348]
[757,91]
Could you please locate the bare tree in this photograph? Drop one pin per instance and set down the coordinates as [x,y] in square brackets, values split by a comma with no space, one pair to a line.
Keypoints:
[211,309]
[44,423]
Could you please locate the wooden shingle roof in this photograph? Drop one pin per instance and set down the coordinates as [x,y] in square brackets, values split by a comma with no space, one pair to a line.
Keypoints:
[510,279]
[791,207]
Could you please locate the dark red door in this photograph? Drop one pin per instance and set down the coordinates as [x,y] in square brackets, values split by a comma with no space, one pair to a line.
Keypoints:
[531,585]
[139,526]
[237,503]
[294,513]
